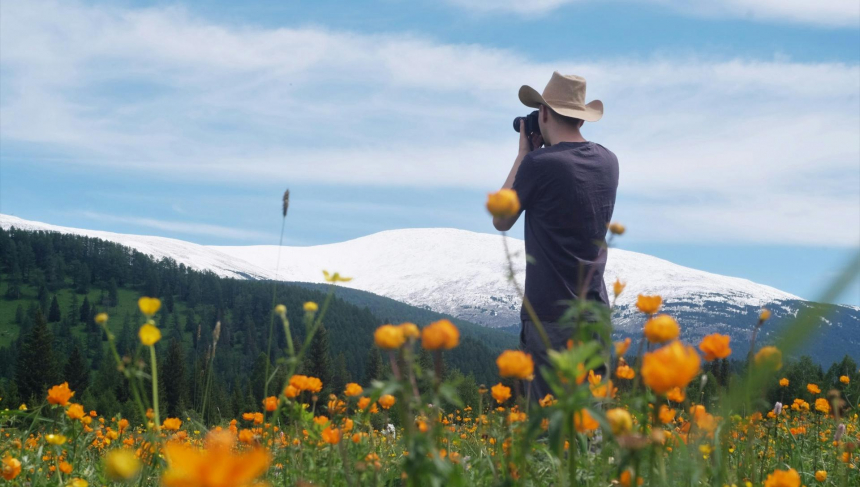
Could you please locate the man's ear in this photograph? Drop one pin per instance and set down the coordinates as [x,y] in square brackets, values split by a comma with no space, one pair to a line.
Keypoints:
[544,114]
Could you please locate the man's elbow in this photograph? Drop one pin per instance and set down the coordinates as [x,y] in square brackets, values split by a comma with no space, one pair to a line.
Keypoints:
[503,224]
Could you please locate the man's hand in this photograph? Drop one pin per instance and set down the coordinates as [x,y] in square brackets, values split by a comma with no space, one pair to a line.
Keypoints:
[529,142]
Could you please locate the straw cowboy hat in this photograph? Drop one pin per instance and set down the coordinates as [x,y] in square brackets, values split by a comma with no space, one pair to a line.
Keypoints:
[565,95]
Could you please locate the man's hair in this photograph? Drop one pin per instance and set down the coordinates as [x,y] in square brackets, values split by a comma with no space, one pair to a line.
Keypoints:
[571,122]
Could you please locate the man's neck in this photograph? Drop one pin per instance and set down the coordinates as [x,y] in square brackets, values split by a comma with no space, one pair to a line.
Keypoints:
[568,136]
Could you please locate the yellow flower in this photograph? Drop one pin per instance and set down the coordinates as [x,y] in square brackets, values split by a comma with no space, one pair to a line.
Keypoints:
[121,464]
[619,420]
[215,466]
[783,382]
[60,395]
[813,389]
[172,424]
[389,337]
[500,392]
[649,304]
[11,468]
[618,287]
[280,310]
[503,203]
[845,379]
[55,440]
[769,357]
[409,330]
[821,475]
[783,478]
[616,229]
[335,278]
[674,365]
[75,411]
[311,307]
[764,315]
[440,335]
[78,483]
[514,363]
[583,421]
[101,318]
[331,435]
[149,306]
[661,329]
[353,389]
[715,346]
[386,401]
[149,334]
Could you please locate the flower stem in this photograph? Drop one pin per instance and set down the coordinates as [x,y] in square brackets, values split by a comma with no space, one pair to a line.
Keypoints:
[155,387]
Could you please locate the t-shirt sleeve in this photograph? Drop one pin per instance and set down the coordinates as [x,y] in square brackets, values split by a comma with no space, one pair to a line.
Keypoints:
[526,182]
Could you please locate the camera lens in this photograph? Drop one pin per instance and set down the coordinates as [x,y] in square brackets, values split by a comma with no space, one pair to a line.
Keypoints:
[517,124]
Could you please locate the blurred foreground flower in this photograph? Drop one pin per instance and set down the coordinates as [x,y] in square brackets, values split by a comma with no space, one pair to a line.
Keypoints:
[649,304]
[514,363]
[715,346]
[503,203]
[215,466]
[674,365]
[149,306]
[438,335]
[769,357]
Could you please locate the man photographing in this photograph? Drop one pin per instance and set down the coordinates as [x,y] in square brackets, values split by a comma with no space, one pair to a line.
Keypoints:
[567,190]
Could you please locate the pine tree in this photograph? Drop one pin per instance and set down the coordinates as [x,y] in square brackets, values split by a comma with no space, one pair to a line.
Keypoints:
[113,293]
[174,379]
[77,371]
[19,315]
[318,363]
[341,374]
[85,310]
[36,370]
[374,369]
[54,313]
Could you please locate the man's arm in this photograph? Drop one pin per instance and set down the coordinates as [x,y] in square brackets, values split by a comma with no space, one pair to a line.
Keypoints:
[505,224]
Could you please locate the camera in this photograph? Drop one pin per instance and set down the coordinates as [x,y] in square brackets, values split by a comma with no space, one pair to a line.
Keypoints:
[531,123]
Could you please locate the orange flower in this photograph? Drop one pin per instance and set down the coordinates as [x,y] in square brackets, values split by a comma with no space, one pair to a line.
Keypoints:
[389,337]
[783,478]
[440,335]
[661,329]
[648,304]
[813,389]
[246,436]
[764,315]
[666,414]
[845,379]
[715,346]
[504,203]
[821,475]
[618,287]
[769,357]
[783,382]
[616,229]
[583,421]
[270,403]
[363,403]
[172,424]
[386,401]
[331,435]
[514,363]
[60,395]
[676,395]
[215,466]
[11,468]
[500,392]
[674,365]
[66,467]
[625,372]
[622,346]
[290,391]
[353,389]
[75,411]
[321,420]
[121,464]
[821,405]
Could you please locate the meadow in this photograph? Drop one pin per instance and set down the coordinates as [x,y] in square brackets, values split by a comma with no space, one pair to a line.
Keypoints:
[643,421]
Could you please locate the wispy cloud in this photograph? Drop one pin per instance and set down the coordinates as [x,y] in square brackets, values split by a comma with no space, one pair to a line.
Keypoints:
[187,228]
[763,151]
[825,13]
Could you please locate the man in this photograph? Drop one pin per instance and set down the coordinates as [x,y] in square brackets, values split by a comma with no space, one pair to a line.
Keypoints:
[567,190]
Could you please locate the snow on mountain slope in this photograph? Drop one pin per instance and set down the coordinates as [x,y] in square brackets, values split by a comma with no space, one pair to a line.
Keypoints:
[463,273]
[451,271]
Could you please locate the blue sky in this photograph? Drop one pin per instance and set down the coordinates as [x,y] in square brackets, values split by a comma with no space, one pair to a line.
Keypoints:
[736,123]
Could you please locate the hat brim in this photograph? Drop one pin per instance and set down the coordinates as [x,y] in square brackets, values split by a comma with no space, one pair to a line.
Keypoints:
[591,111]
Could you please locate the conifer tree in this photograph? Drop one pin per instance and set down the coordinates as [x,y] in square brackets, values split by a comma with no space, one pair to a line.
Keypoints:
[174,379]
[341,374]
[374,369]
[318,363]
[85,310]
[77,371]
[36,370]
[54,315]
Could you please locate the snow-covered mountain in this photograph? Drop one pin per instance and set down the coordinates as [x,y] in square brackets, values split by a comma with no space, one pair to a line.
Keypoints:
[463,274]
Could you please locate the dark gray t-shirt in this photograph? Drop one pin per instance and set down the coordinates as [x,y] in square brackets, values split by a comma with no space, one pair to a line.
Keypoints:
[568,194]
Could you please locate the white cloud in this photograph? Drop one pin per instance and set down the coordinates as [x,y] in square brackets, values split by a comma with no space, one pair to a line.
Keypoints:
[187,228]
[826,13]
[757,151]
